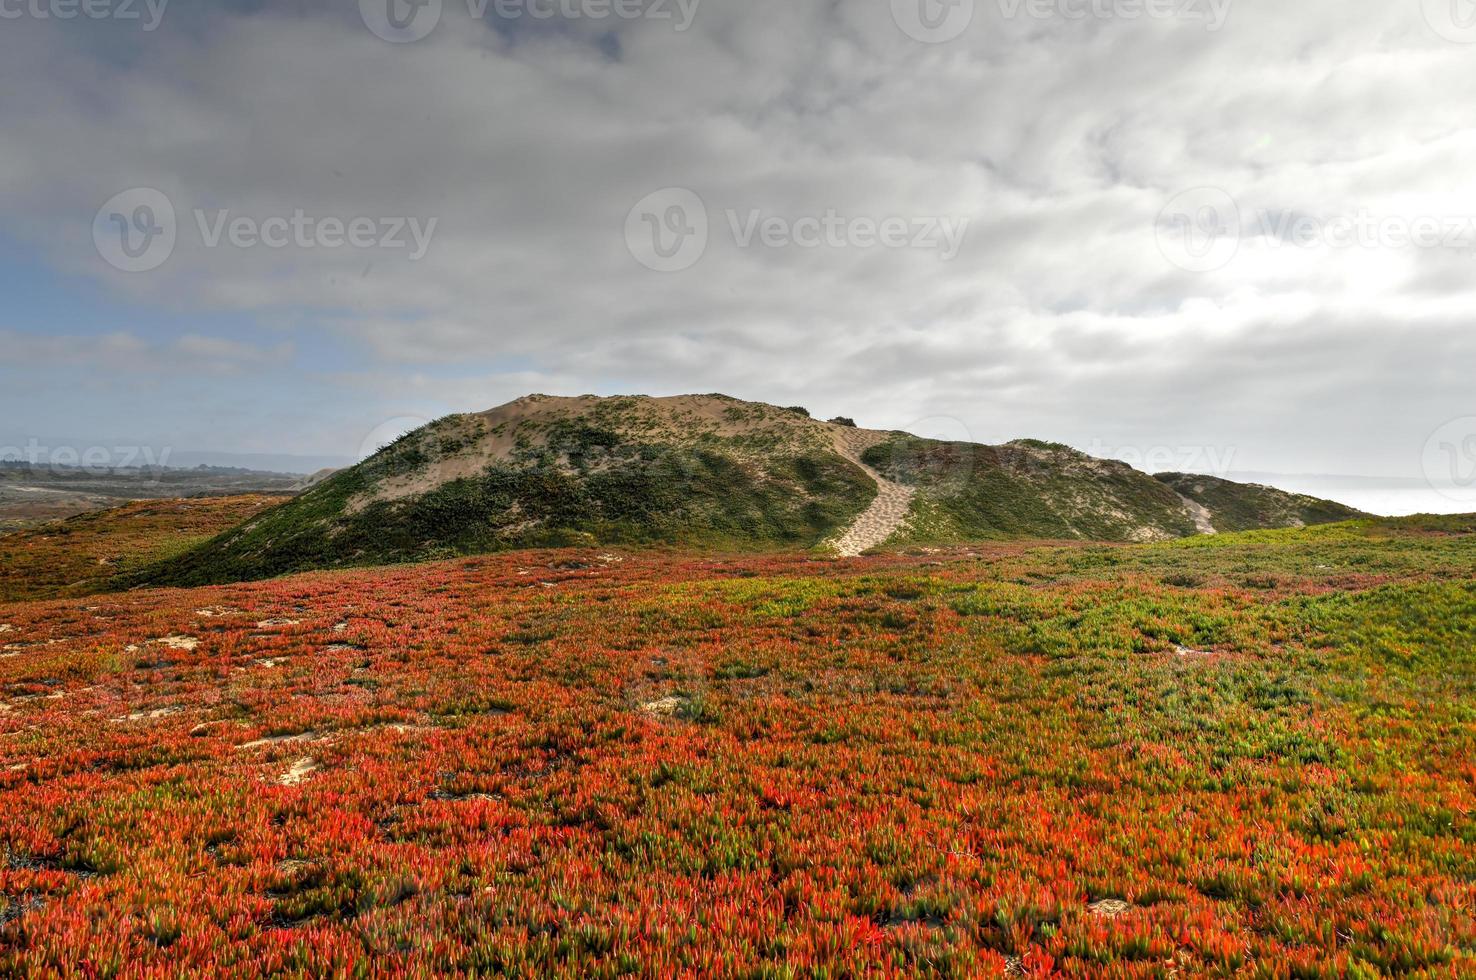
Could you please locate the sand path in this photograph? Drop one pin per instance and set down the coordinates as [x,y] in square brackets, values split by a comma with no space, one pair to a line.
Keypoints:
[883,518]
[1200,515]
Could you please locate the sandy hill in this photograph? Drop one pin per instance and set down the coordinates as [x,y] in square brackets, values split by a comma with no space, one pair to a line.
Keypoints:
[709,471]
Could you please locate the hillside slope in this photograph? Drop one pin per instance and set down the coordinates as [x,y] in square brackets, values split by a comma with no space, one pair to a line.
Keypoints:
[1248,506]
[697,471]
[707,471]
[1026,489]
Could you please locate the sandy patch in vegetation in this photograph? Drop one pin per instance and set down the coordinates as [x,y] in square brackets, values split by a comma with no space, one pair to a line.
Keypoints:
[299,771]
[272,740]
[666,707]
[1110,908]
[1200,514]
[887,513]
[153,715]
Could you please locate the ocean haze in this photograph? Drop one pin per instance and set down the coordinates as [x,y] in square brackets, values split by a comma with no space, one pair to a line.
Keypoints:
[1387,496]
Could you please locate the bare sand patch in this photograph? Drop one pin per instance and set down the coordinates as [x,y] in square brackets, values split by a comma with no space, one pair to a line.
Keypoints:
[270,740]
[1200,514]
[887,513]
[666,707]
[299,771]
[1110,908]
[153,715]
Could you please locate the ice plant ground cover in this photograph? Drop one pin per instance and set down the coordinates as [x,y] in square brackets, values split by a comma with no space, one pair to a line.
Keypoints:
[1250,755]
[81,554]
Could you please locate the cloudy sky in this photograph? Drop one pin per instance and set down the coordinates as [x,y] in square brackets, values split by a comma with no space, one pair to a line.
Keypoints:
[1237,234]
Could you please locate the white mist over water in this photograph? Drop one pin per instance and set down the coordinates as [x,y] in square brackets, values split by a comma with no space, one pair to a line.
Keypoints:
[1385,497]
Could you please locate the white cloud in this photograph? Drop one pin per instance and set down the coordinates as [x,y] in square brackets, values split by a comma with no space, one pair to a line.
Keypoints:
[1059,141]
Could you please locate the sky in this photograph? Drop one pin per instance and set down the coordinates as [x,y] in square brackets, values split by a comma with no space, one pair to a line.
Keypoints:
[1223,236]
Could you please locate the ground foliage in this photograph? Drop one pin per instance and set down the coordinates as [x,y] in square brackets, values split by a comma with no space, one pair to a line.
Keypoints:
[1252,755]
[89,552]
